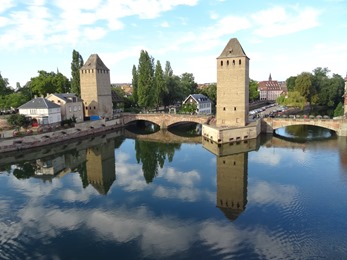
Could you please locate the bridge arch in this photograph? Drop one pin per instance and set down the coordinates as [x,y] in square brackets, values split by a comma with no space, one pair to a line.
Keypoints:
[166,120]
[271,124]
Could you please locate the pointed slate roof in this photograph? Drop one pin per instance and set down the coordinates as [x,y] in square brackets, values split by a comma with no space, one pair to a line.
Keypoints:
[38,103]
[232,50]
[94,62]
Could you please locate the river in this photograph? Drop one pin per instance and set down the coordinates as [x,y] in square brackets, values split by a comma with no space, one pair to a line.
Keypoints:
[114,197]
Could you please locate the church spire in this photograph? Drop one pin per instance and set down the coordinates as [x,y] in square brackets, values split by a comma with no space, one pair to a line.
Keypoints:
[270,78]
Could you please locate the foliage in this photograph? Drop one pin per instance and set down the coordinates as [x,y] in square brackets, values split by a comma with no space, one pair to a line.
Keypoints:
[49,82]
[76,64]
[210,91]
[290,82]
[24,171]
[339,110]
[294,99]
[152,156]
[160,88]
[188,108]
[188,84]
[253,90]
[145,80]
[318,88]
[135,84]
[17,121]
[5,89]
[303,85]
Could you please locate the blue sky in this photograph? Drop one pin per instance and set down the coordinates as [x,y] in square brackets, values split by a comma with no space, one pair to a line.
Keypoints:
[283,38]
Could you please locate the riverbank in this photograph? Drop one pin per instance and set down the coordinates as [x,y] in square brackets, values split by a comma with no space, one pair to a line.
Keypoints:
[80,130]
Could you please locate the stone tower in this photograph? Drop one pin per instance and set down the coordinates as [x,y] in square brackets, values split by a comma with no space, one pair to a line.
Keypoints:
[96,88]
[232,86]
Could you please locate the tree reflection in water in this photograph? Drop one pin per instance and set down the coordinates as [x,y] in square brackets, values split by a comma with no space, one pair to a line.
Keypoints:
[152,155]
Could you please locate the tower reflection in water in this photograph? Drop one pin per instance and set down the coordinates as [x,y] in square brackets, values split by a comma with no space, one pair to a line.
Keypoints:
[93,159]
[232,171]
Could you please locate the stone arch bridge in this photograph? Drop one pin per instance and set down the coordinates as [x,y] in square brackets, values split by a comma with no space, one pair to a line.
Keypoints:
[268,125]
[166,120]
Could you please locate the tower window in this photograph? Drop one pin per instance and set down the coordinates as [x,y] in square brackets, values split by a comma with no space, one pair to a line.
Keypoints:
[227,62]
[233,62]
[221,63]
[223,108]
[86,108]
[239,62]
[234,108]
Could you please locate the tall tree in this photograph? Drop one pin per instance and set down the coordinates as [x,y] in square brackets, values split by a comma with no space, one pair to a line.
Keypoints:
[304,85]
[159,84]
[188,84]
[145,80]
[172,83]
[135,84]
[76,64]
[290,82]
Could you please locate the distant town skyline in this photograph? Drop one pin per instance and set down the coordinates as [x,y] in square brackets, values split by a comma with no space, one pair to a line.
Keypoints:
[283,39]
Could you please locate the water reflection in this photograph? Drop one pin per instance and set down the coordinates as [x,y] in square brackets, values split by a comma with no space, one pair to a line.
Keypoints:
[172,201]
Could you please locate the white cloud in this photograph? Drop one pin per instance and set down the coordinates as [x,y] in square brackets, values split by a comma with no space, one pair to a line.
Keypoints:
[266,156]
[5,5]
[280,21]
[272,193]
[165,24]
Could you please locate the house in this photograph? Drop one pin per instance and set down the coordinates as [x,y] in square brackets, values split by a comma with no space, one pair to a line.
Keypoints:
[41,111]
[203,103]
[71,106]
[270,89]
[118,102]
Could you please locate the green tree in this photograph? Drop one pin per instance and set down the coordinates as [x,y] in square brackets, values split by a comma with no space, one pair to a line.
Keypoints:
[188,108]
[188,84]
[304,85]
[17,121]
[61,83]
[15,100]
[76,64]
[339,110]
[210,91]
[145,80]
[159,84]
[49,82]
[290,82]
[253,90]
[5,89]
[135,84]
[294,99]
[172,83]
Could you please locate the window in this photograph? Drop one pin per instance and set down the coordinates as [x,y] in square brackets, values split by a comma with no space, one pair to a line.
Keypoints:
[239,62]
[227,62]
[221,63]
[234,108]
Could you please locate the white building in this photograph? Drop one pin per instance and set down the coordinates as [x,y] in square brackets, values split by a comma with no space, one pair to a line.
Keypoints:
[203,103]
[41,111]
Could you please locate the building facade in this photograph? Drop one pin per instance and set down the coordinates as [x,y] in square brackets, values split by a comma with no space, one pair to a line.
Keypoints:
[203,103]
[41,111]
[232,86]
[70,105]
[271,89]
[96,88]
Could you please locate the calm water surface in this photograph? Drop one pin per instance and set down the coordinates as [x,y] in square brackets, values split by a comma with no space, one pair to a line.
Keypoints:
[112,197]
